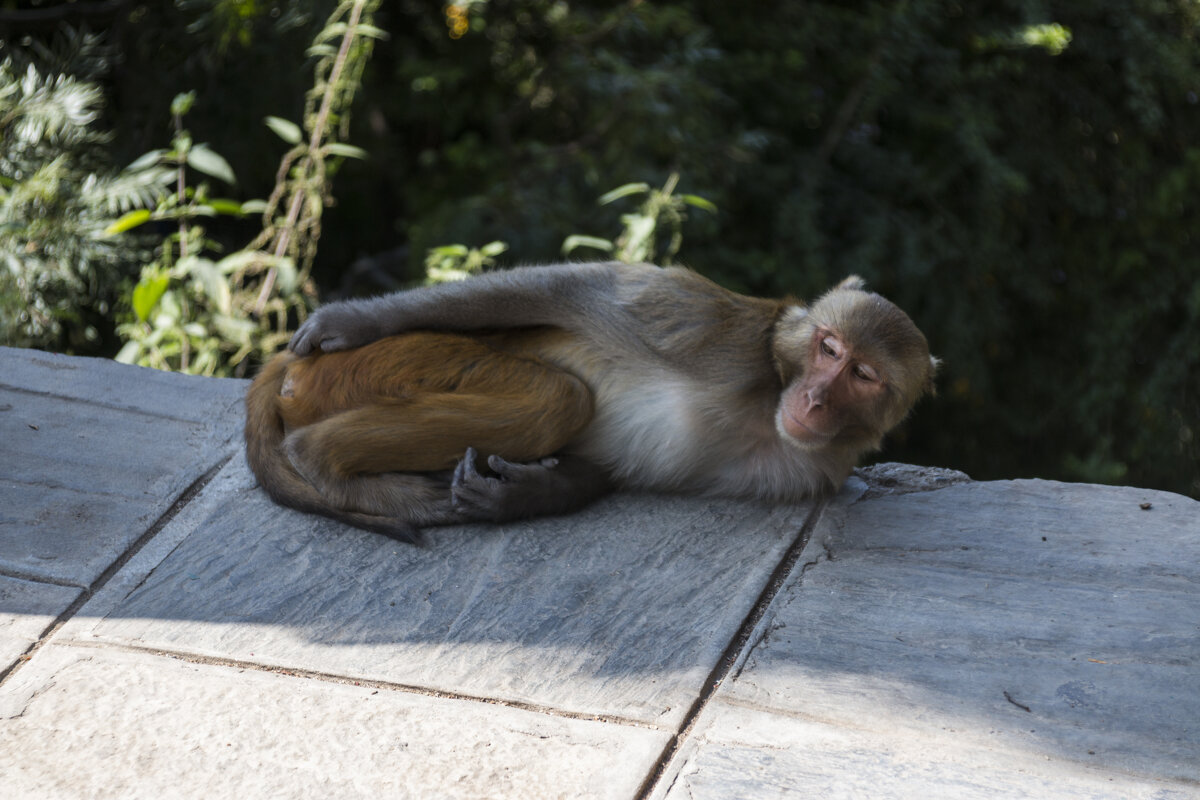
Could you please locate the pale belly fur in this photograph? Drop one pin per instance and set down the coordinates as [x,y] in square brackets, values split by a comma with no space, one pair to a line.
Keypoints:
[644,431]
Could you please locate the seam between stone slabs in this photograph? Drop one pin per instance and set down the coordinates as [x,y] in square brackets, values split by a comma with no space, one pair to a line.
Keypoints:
[370,683]
[30,577]
[738,645]
[121,560]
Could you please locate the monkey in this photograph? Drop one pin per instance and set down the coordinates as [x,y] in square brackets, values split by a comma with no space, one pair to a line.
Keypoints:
[693,388]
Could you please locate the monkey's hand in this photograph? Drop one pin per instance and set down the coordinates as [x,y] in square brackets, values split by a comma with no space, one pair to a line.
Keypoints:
[555,485]
[337,326]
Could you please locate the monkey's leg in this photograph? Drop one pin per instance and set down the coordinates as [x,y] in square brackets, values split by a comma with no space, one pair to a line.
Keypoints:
[430,432]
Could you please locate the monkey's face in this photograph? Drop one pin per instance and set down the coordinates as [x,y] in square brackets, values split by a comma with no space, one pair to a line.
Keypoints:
[853,365]
[834,397]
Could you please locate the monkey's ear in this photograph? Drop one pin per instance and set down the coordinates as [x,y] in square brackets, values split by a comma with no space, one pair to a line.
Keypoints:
[793,315]
[852,282]
[935,364]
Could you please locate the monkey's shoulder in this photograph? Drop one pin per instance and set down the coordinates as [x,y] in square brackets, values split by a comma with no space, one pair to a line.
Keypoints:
[684,318]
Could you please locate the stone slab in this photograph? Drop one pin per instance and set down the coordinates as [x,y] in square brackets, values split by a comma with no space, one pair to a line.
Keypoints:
[27,609]
[618,612]
[95,723]
[105,382]
[740,752]
[95,452]
[1001,624]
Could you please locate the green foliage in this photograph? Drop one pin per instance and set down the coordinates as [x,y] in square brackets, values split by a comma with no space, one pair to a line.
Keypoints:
[191,313]
[292,219]
[58,191]
[453,262]
[662,212]
[215,317]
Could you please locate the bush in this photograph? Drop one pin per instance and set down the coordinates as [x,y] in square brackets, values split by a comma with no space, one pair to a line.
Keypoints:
[59,276]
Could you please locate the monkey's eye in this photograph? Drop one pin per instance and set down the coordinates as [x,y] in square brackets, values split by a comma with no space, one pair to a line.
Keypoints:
[865,373]
[828,349]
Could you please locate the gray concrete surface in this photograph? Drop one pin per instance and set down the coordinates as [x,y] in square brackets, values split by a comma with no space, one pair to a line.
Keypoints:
[165,631]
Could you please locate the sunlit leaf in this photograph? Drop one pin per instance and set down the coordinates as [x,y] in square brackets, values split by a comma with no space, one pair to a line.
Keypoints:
[147,293]
[129,353]
[182,103]
[225,206]
[438,274]
[1053,38]
[210,162]
[128,222]
[370,31]
[331,32]
[212,282]
[287,277]
[623,191]
[239,260]
[346,150]
[285,129]
[638,237]
[698,202]
[234,329]
[146,160]
[573,242]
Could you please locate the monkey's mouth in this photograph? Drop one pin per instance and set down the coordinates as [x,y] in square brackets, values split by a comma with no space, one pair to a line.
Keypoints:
[797,430]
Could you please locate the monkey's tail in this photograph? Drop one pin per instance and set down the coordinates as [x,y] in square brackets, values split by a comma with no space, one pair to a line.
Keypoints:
[264,452]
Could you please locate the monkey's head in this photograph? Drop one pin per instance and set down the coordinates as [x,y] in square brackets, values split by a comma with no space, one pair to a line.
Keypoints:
[853,365]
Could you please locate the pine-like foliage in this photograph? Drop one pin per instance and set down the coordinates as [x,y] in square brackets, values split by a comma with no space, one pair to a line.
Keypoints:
[58,273]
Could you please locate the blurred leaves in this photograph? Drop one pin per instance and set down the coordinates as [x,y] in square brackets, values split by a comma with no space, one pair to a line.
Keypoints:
[454,262]
[59,273]
[654,233]
[285,129]
[195,313]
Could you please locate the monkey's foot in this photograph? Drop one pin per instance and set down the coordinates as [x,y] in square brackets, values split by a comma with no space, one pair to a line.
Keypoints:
[513,492]
[338,326]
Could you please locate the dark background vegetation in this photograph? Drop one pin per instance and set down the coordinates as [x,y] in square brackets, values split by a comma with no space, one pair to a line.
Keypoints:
[1031,201]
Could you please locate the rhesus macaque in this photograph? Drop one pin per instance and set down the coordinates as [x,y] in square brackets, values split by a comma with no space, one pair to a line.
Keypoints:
[692,388]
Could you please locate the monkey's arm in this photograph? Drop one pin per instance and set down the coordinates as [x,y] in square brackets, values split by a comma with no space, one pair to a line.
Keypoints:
[556,485]
[563,295]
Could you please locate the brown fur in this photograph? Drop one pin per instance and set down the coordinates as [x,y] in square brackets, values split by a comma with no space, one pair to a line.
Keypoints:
[329,433]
